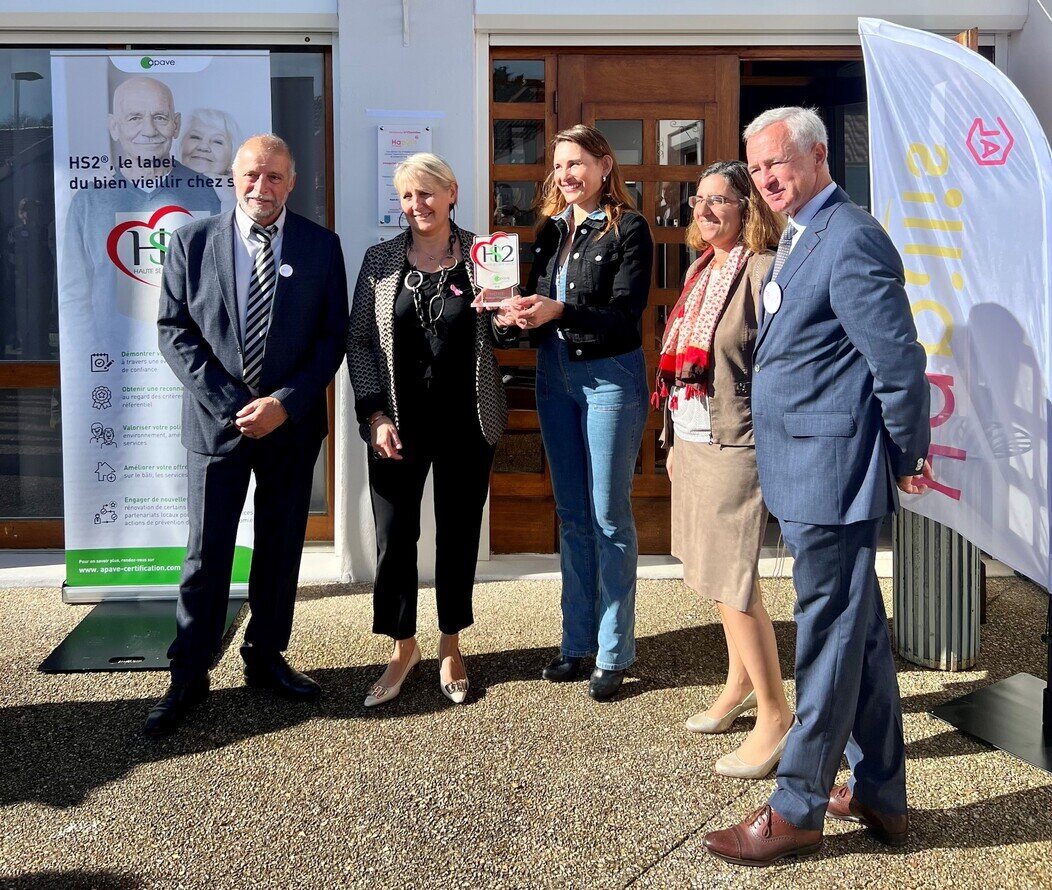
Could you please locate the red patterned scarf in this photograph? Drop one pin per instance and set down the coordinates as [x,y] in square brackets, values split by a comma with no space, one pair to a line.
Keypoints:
[686,352]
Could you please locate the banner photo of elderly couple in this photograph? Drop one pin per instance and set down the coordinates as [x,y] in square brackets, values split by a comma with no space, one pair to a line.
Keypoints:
[962,181]
[143,144]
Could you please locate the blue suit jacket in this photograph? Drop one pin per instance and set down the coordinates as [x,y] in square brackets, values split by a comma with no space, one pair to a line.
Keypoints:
[839,396]
[199,330]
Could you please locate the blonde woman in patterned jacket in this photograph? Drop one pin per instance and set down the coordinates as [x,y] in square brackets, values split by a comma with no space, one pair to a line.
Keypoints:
[428,394]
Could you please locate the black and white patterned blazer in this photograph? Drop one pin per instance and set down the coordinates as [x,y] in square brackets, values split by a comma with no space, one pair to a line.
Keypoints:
[370,341]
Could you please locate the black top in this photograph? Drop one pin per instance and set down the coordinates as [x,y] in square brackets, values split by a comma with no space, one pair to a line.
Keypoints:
[608,283]
[434,334]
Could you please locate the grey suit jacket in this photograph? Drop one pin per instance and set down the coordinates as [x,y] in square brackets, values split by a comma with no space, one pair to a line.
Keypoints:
[839,399]
[199,330]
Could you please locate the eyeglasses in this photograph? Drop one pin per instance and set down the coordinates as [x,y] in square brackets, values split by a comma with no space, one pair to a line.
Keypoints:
[711,200]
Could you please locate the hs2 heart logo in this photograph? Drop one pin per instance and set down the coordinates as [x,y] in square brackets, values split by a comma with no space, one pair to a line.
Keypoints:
[137,246]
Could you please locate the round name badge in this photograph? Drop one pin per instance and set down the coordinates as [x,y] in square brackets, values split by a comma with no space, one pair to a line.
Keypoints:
[772,297]
[285,271]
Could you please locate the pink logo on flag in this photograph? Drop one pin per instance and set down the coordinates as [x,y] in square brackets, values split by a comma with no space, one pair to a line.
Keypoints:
[990,146]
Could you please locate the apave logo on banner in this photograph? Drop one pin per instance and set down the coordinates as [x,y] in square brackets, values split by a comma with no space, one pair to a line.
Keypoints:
[962,181]
[143,144]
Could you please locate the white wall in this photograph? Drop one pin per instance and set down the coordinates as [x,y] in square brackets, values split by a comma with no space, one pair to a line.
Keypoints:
[1030,61]
[756,22]
[376,72]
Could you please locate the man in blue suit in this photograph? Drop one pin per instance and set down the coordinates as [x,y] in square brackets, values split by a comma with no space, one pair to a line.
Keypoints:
[253,321]
[840,414]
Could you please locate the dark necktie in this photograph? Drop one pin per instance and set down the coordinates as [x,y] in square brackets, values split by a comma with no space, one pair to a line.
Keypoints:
[260,300]
[785,244]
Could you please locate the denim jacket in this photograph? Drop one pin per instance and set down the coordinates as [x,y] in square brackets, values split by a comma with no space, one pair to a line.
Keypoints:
[608,282]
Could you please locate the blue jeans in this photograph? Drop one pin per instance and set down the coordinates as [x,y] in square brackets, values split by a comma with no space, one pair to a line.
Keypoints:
[592,415]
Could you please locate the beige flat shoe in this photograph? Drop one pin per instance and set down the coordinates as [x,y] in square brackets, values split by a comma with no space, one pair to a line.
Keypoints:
[700,722]
[732,765]
[380,695]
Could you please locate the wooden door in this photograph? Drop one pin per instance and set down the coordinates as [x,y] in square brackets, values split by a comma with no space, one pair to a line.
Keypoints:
[666,117]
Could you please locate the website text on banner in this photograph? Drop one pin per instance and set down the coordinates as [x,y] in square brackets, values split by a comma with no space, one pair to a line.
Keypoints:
[962,181]
[142,145]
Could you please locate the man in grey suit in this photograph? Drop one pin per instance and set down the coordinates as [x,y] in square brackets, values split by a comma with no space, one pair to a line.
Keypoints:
[840,414]
[253,321]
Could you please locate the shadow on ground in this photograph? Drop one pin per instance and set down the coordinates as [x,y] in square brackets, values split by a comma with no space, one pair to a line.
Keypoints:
[56,753]
[72,880]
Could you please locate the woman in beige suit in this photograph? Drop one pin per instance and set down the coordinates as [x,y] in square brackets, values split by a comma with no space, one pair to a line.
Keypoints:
[718,514]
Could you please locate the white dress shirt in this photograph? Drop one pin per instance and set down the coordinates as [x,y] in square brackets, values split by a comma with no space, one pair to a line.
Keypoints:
[245,250]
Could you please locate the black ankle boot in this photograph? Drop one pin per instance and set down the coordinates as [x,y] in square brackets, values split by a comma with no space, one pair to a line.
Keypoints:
[604,684]
[562,670]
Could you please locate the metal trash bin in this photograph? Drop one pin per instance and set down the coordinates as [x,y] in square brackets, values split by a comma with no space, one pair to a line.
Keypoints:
[937,593]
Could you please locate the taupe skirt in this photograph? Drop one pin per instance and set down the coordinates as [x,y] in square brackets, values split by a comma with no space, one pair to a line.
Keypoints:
[718,520]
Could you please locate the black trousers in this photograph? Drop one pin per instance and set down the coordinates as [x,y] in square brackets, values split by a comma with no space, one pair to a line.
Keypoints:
[451,443]
[217,486]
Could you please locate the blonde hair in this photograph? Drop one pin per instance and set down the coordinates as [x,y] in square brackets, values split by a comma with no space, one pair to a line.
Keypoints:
[424,163]
[761,226]
[614,197]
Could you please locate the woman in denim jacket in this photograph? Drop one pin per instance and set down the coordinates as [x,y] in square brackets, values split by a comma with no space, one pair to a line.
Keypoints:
[587,290]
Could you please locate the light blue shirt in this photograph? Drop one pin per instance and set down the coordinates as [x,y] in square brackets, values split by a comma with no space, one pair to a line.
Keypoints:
[599,215]
[802,220]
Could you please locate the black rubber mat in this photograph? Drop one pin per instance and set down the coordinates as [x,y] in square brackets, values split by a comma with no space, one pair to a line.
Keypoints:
[124,636]
[1007,715]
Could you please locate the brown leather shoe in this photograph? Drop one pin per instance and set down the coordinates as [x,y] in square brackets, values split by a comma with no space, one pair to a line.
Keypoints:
[762,838]
[889,828]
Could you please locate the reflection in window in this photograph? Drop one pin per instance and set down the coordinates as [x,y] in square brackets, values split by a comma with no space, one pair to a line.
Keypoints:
[671,262]
[635,192]
[31,453]
[518,142]
[520,382]
[661,314]
[672,207]
[28,305]
[681,142]
[854,130]
[659,452]
[625,138]
[518,80]
[513,203]
[297,89]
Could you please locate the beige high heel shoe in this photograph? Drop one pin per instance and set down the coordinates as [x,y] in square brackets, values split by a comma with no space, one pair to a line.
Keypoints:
[701,722]
[733,766]
[380,695]
[457,691]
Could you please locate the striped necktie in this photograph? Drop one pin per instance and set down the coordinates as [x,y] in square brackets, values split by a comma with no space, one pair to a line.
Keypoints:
[260,300]
[785,244]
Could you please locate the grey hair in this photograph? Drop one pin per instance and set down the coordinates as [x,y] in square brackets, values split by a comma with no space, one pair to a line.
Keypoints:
[269,142]
[805,126]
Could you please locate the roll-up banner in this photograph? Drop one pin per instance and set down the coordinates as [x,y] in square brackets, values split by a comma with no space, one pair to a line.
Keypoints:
[962,181]
[143,144]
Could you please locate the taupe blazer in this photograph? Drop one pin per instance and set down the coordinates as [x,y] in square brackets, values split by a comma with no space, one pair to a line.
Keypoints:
[729,378]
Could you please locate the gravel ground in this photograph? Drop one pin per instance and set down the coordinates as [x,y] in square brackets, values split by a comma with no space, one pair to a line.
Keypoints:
[529,785]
